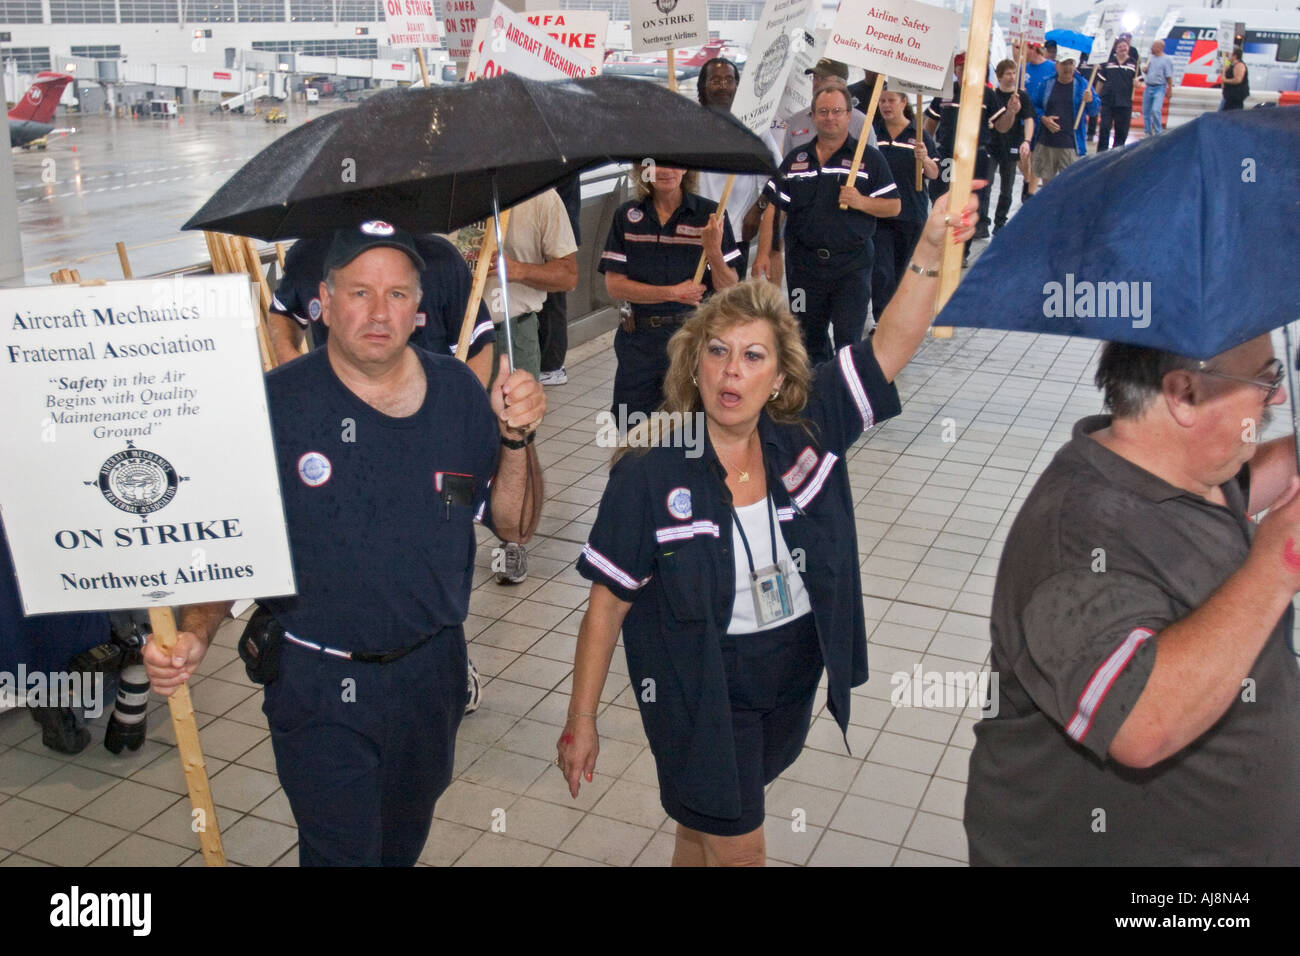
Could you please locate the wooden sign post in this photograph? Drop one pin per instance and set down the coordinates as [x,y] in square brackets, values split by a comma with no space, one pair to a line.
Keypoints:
[163,625]
[866,128]
[967,138]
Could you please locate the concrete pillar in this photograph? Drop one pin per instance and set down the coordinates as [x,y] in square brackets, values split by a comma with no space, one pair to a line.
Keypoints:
[11,245]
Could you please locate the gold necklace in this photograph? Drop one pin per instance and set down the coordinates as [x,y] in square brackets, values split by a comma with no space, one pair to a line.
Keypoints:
[744,475]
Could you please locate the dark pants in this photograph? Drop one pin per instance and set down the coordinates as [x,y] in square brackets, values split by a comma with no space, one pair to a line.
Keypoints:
[642,364]
[553,330]
[363,763]
[894,240]
[1006,170]
[983,170]
[822,297]
[1121,117]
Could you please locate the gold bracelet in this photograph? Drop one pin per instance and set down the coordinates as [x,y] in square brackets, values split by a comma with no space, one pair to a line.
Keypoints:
[932,273]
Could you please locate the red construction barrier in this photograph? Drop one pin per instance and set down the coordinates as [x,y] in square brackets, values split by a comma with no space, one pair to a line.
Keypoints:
[1289,98]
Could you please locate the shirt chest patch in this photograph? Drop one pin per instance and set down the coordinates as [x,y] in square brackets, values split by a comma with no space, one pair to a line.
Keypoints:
[314,310]
[798,167]
[690,230]
[635,215]
[802,156]
[314,469]
[804,464]
[679,503]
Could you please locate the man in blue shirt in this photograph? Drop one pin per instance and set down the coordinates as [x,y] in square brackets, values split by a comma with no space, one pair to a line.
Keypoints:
[829,253]
[1160,73]
[371,685]
[1056,104]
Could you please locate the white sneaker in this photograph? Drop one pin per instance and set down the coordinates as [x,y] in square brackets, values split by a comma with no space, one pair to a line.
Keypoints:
[558,377]
[475,689]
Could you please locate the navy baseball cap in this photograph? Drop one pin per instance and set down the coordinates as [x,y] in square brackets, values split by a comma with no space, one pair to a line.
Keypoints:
[350,243]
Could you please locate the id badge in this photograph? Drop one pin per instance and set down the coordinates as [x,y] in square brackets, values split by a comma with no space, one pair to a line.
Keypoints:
[771,595]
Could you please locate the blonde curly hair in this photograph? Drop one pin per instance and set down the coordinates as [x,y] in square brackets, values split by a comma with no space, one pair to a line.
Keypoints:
[753,299]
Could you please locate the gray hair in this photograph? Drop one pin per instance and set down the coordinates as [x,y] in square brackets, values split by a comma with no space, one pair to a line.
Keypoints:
[1131,376]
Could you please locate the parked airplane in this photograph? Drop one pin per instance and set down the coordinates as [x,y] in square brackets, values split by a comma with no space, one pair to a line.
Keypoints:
[30,118]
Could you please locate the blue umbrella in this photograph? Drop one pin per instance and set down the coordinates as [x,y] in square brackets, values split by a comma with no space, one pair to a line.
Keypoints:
[1187,242]
[1069,38]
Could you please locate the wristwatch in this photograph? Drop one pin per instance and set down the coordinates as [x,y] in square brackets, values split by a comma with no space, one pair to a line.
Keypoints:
[517,443]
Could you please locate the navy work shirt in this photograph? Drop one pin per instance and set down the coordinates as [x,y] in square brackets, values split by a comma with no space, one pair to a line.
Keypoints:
[945,112]
[644,251]
[810,195]
[380,559]
[1116,81]
[900,153]
[662,541]
[444,285]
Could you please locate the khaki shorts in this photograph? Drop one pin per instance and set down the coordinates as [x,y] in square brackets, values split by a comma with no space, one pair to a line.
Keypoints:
[1050,160]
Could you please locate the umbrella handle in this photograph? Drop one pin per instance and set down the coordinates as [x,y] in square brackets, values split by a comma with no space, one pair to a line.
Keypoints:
[502,279]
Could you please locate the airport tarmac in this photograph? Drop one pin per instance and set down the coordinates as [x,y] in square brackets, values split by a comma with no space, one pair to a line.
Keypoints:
[135,181]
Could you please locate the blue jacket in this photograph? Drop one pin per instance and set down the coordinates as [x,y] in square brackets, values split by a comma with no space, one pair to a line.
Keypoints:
[1044,92]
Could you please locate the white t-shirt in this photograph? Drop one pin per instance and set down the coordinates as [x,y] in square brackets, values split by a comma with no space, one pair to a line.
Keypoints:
[758,532]
[538,232]
[745,191]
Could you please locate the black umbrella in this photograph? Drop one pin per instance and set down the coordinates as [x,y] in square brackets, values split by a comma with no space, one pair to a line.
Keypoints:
[431,160]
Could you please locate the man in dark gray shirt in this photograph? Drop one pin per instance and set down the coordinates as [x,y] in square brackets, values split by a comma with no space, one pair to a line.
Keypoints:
[1147,694]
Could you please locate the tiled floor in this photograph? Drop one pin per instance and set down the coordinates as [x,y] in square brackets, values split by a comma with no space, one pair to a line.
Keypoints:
[936,490]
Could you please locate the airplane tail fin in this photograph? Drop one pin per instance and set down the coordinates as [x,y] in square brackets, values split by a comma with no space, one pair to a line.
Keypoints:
[707,52]
[38,104]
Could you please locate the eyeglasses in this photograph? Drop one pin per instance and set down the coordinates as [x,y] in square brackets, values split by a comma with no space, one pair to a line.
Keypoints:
[1274,374]
[824,112]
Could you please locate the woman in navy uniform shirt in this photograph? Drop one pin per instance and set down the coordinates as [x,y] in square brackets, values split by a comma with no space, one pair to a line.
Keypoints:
[649,261]
[896,237]
[733,574]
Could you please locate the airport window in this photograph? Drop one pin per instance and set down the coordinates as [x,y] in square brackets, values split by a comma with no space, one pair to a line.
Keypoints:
[618,9]
[20,11]
[358,11]
[261,11]
[209,11]
[83,11]
[317,11]
[30,59]
[148,11]
[1288,49]
[103,52]
[357,47]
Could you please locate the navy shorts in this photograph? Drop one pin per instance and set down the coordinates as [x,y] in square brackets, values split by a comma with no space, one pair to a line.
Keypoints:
[771,680]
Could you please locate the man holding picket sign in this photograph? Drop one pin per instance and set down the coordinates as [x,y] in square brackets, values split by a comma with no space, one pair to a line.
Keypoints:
[387,454]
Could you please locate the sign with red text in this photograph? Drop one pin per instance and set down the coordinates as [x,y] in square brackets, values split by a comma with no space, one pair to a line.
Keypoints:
[667,24]
[1016,26]
[580,30]
[460,17]
[507,43]
[778,38]
[140,470]
[1036,25]
[411,23]
[902,39]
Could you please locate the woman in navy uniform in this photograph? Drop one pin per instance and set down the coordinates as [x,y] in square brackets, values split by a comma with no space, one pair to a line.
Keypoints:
[649,261]
[896,237]
[733,574]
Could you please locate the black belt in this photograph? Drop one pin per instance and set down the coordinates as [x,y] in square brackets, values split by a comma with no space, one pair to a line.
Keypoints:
[364,657]
[663,321]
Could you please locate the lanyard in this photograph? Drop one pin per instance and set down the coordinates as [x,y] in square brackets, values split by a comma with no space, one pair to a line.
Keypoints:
[771,527]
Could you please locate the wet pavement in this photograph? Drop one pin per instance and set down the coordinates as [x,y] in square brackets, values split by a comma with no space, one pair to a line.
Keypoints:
[134,181]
